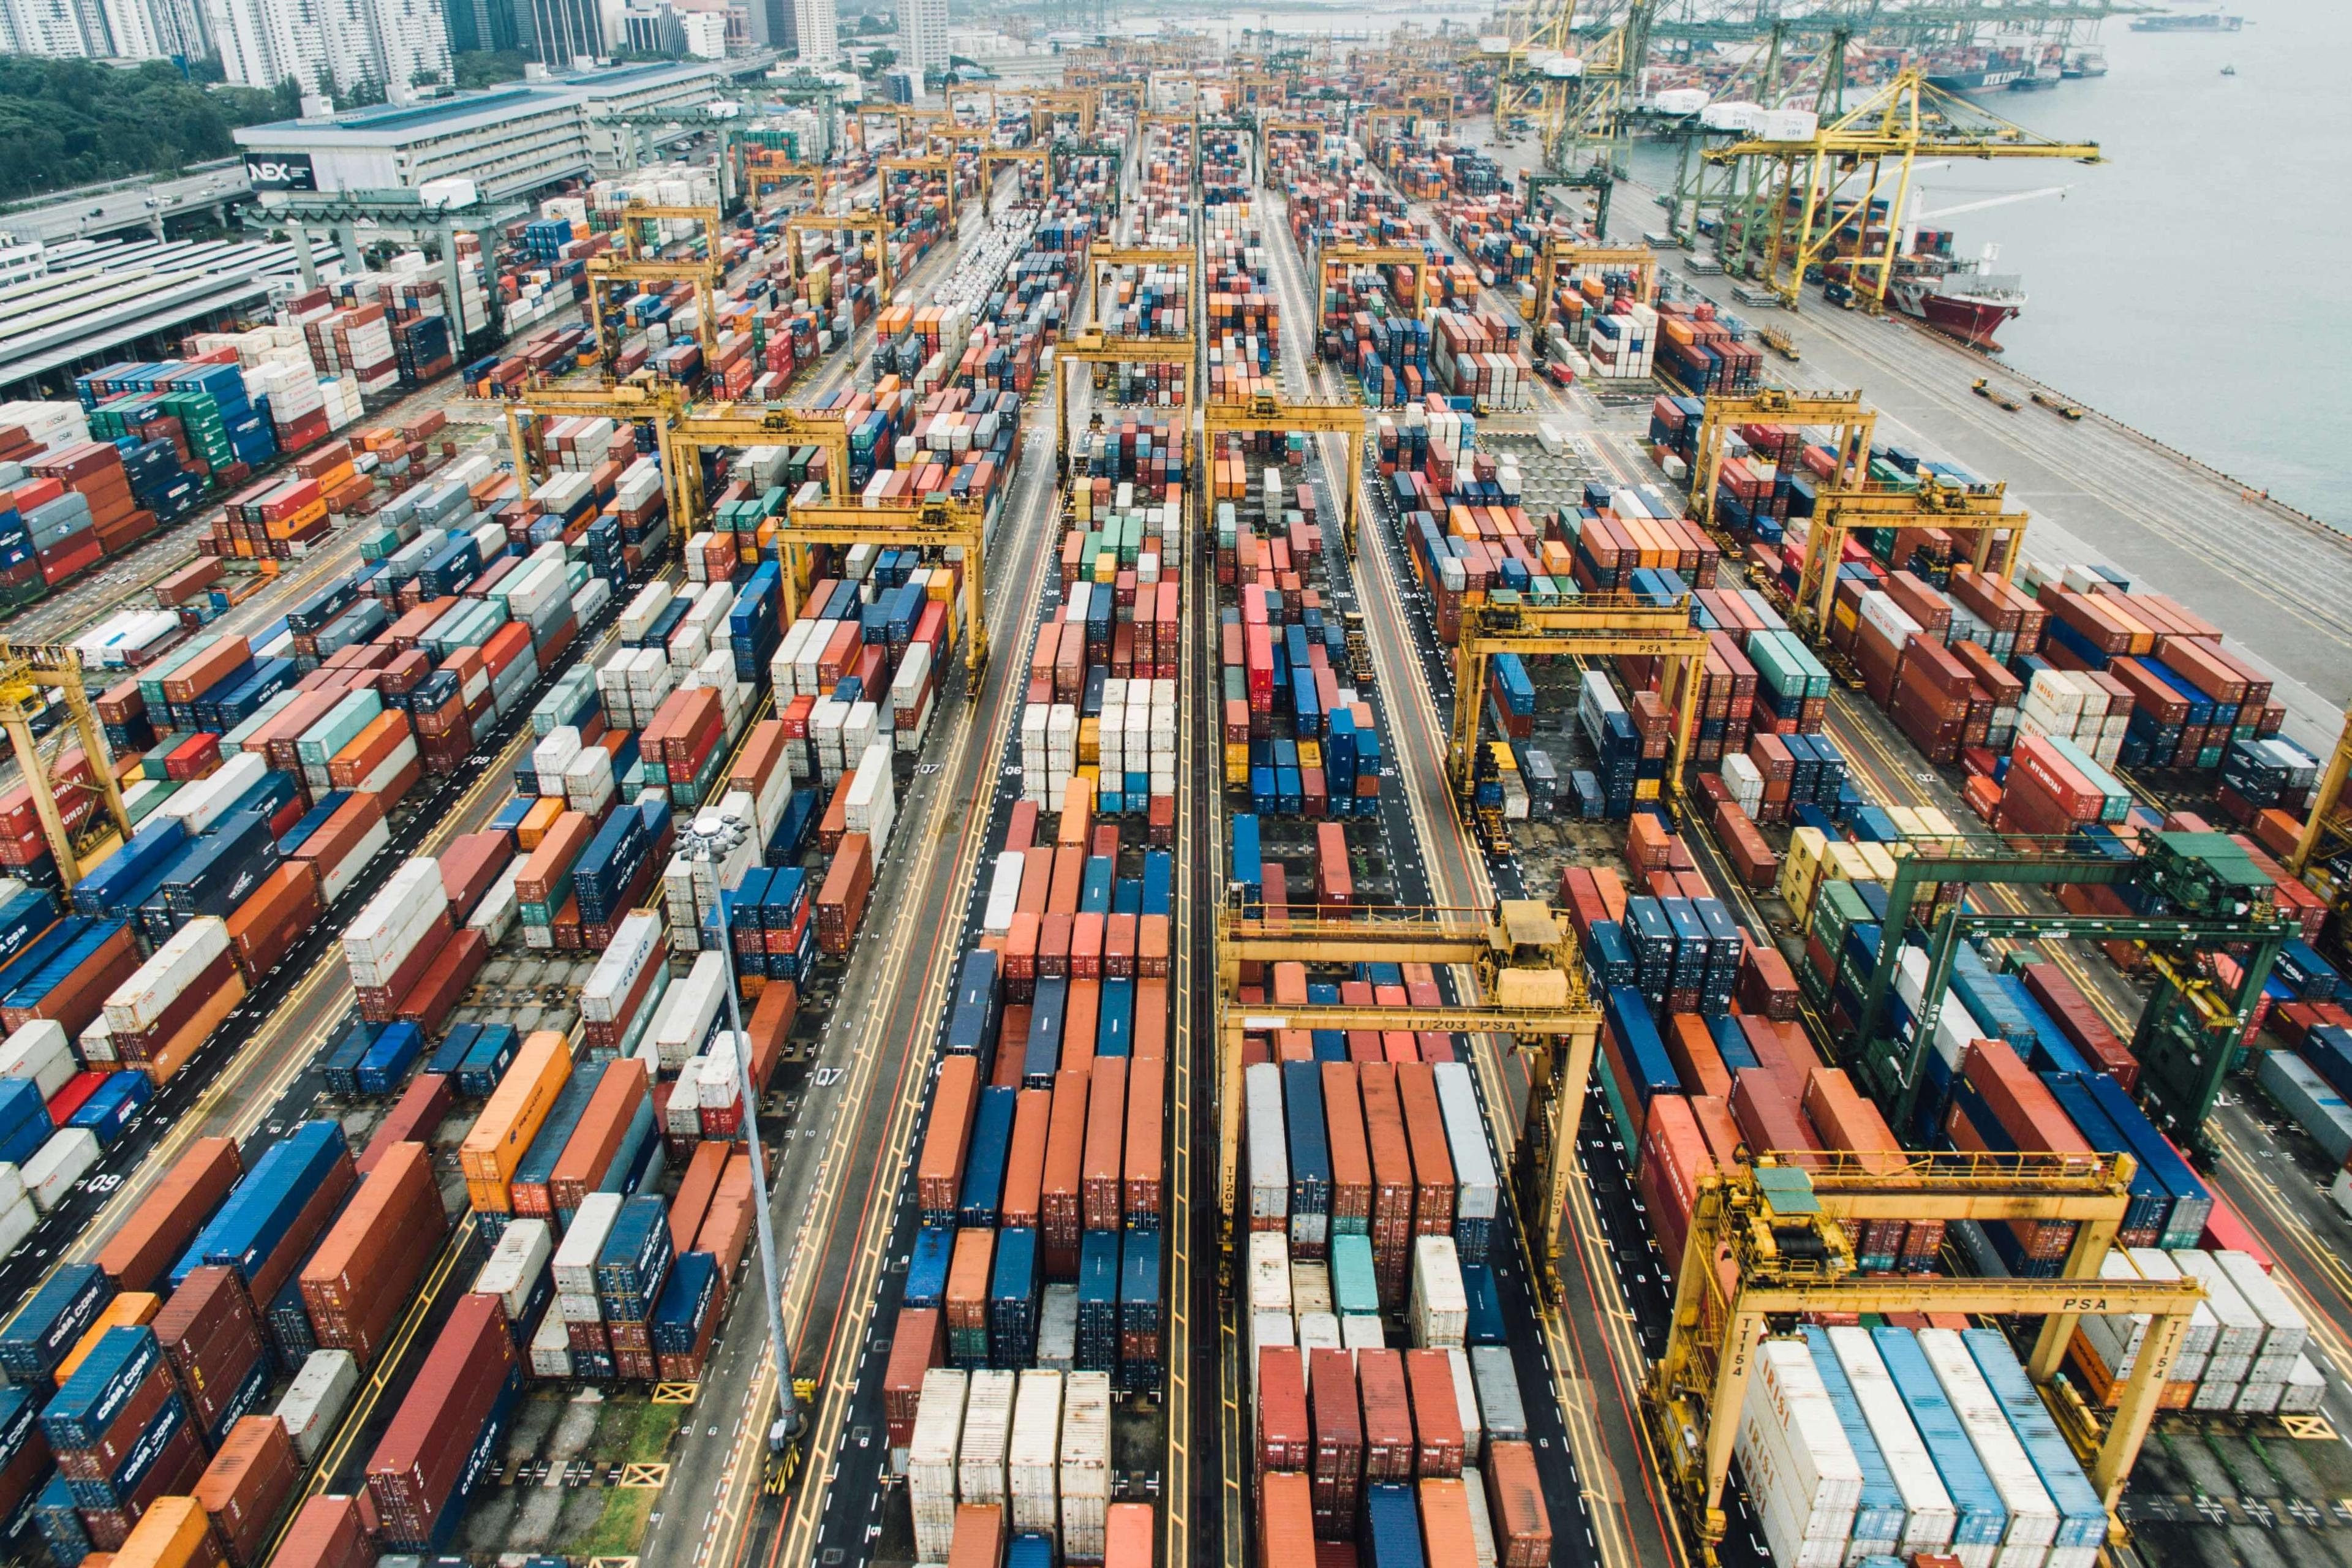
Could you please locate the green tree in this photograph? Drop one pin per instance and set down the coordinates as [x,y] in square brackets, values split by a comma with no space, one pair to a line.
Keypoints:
[70,122]
[880,60]
[486,67]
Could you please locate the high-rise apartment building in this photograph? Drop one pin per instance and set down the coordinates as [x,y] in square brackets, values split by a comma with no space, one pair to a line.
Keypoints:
[331,47]
[816,30]
[923,36]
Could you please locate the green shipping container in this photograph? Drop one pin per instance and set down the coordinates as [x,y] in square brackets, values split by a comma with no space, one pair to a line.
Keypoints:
[333,732]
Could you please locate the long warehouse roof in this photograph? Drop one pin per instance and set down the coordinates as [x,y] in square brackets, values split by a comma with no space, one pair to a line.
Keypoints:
[100,295]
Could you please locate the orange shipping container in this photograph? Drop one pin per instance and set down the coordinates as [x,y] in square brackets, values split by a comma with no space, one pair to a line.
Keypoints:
[512,1117]
[172,1533]
[168,1218]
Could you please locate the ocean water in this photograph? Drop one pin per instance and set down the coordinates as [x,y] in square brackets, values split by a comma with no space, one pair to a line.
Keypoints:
[2192,285]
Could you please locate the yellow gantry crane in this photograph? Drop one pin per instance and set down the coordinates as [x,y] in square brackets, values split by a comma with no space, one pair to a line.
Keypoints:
[871,223]
[1047,104]
[1783,1225]
[765,173]
[1979,512]
[658,404]
[1330,260]
[708,275]
[1556,257]
[1841,412]
[1094,347]
[1819,190]
[28,672]
[1530,977]
[737,425]
[1268,413]
[944,167]
[2322,828]
[990,157]
[933,522]
[1596,627]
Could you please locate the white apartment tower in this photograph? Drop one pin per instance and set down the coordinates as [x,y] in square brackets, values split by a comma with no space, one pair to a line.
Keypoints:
[815,24]
[329,46]
[923,36]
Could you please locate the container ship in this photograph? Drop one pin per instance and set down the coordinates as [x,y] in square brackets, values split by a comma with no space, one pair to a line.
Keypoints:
[2188,22]
[1959,297]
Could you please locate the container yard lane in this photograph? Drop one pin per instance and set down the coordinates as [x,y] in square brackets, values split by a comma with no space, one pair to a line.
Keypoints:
[839,1205]
[1594,1424]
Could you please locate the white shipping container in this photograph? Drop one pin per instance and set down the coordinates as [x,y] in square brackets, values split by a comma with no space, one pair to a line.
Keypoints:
[1476,1193]
[2240,1330]
[1439,1306]
[551,1349]
[1269,1149]
[2033,1517]
[931,1461]
[39,1051]
[387,930]
[498,907]
[204,802]
[139,1001]
[1084,1475]
[2285,1332]
[1033,1456]
[1929,1517]
[1482,1523]
[1269,1272]
[987,1436]
[69,1155]
[1801,1471]
[1465,1400]
[18,1221]
[12,1187]
[635,942]
[516,1265]
[314,1403]
[687,1011]
[575,1259]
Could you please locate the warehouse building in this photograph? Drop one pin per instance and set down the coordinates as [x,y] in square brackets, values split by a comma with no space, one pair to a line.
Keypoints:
[511,140]
[91,301]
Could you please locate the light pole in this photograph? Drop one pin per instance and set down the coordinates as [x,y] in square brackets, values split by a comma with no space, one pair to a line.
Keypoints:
[788,1414]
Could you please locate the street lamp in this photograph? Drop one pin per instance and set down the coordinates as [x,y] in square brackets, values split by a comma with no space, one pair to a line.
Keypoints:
[788,1415]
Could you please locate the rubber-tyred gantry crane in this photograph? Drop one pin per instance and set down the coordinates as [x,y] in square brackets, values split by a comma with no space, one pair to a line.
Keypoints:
[1529,978]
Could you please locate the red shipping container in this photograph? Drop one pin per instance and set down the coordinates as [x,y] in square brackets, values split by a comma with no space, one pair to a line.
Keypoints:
[416,1468]
[1437,1413]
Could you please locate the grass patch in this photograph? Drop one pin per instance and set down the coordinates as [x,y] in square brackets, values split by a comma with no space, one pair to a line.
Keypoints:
[620,1527]
[636,1431]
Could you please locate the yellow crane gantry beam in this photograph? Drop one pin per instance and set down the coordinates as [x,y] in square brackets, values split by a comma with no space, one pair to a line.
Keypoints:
[1977,511]
[1047,104]
[930,523]
[1903,121]
[1267,413]
[1530,977]
[1781,1224]
[1094,347]
[708,275]
[1595,627]
[28,669]
[1840,411]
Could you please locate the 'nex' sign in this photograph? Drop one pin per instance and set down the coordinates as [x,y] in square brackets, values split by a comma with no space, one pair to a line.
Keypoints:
[279,172]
